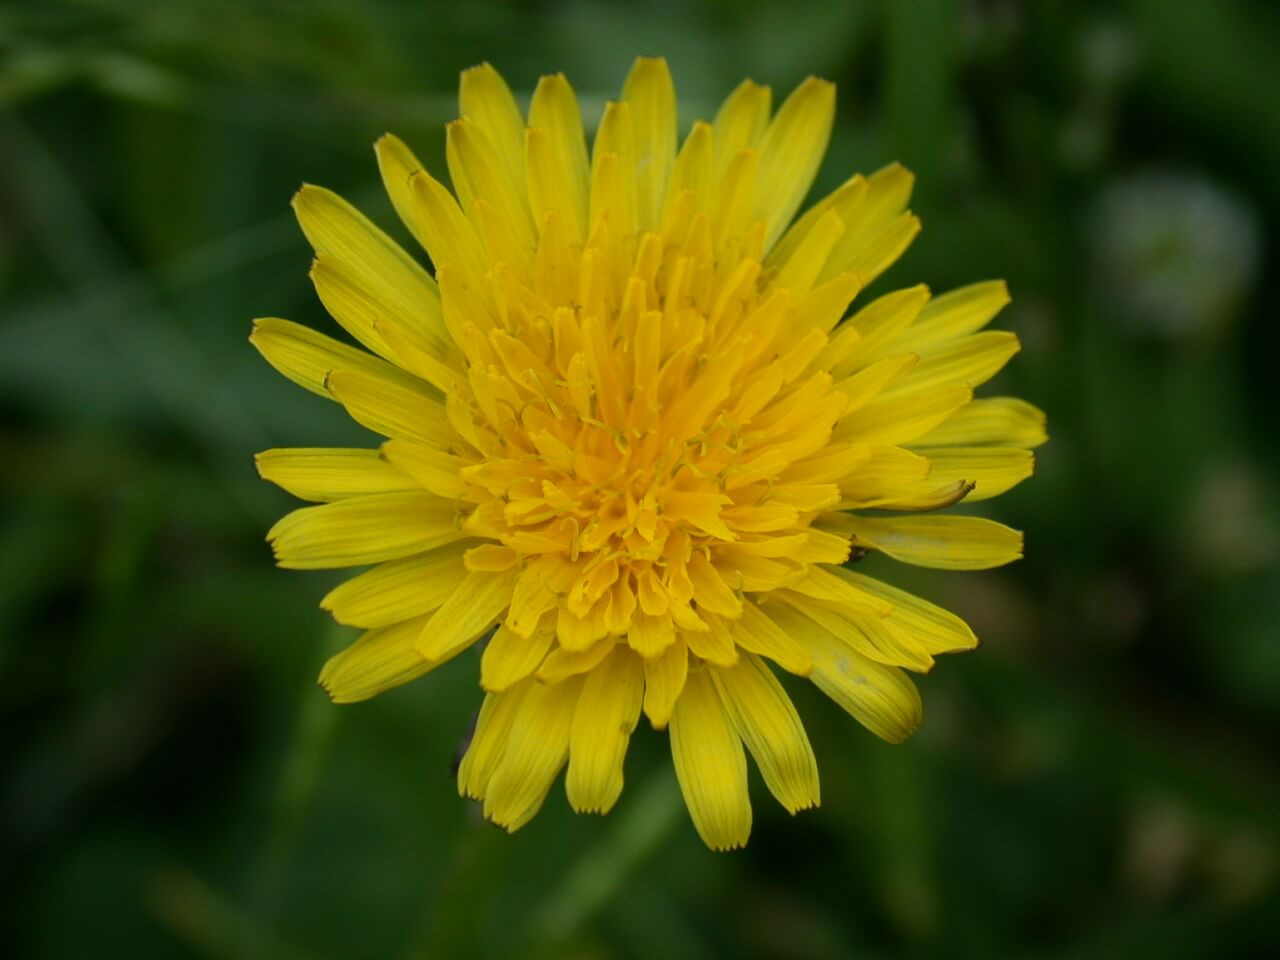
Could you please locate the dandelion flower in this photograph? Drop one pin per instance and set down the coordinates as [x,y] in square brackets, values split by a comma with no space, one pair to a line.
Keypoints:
[631,440]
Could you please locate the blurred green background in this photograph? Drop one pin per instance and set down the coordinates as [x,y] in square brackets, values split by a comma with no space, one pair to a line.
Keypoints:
[1101,779]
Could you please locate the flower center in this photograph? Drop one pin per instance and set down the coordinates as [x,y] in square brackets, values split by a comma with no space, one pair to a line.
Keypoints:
[634,404]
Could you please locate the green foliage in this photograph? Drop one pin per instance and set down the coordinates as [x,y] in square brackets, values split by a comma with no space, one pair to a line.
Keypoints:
[1099,780]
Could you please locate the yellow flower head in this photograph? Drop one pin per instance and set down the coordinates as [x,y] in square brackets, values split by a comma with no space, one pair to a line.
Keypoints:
[627,426]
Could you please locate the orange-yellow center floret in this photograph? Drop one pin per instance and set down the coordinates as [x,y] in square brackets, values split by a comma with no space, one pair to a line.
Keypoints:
[635,434]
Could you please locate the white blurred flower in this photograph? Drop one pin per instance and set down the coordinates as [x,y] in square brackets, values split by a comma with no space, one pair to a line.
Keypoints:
[1176,252]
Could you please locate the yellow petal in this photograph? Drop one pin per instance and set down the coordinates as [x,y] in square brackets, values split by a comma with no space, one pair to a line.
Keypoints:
[792,151]
[872,380]
[334,227]
[307,358]
[552,194]
[822,547]
[555,111]
[509,658]
[435,470]
[943,542]
[366,312]
[878,225]
[532,595]
[664,678]
[490,558]
[864,634]
[845,200]
[537,748]
[578,633]
[391,408]
[875,252]
[761,518]
[439,363]
[620,606]
[799,271]
[468,612]
[650,636]
[562,663]
[652,98]
[1002,421]
[955,314]
[399,589]
[890,421]
[686,620]
[485,99]
[881,698]
[887,470]
[935,629]
[991,470]
[834,462]
[766,720]
[334,287]
[715,646]
[603,721]
[888,192]
[360,530]
[824,306]
[710,765]
[489,742]
[734,199]
[694,168]
[800,354]
[320,473]
[702,510]
[480,173]
[971,360]
[833,586]
[378,661]
[878,326]
[922,496]
[754,573]
[740,122]
[397,164]
[709,589]
[613,160]
[758,633]
[450,238]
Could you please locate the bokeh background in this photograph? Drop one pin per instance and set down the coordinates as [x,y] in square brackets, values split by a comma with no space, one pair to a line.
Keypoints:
[1100,780]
